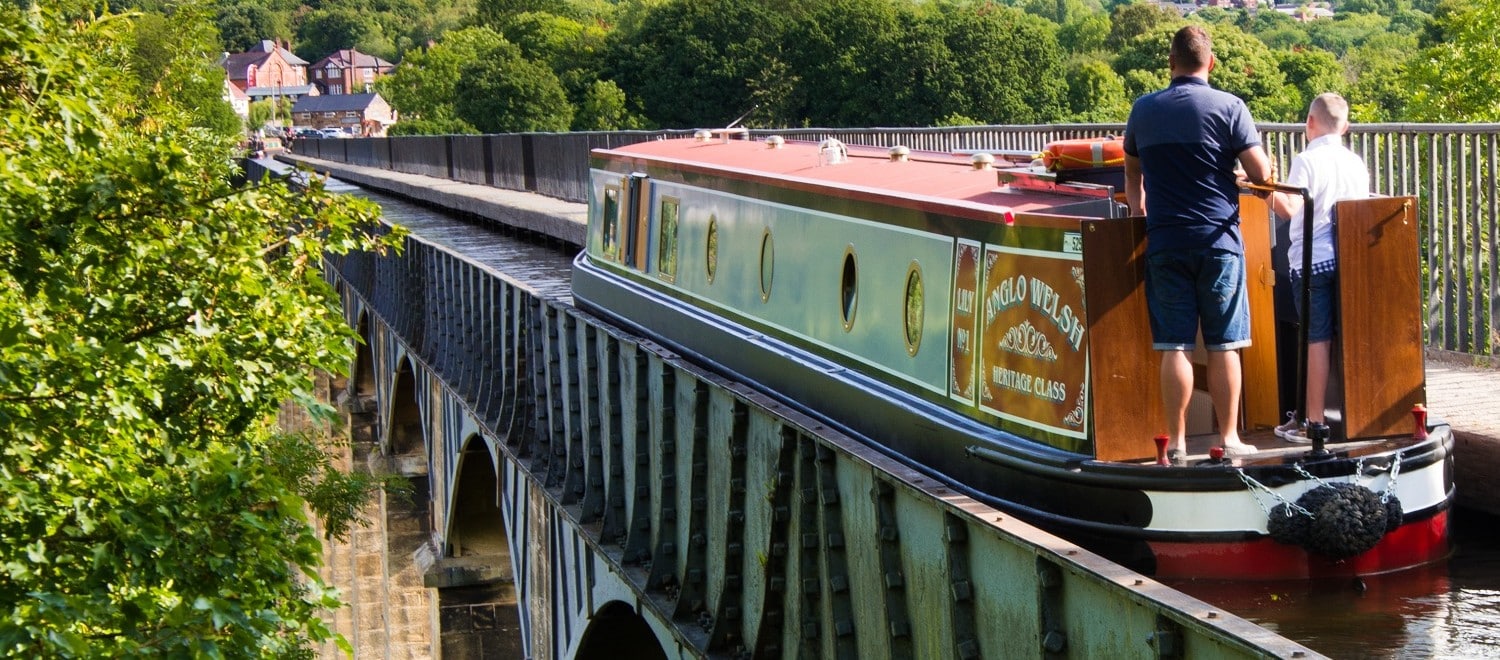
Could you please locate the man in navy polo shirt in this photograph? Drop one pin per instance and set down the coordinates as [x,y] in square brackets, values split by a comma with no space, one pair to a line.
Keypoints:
[1181,147]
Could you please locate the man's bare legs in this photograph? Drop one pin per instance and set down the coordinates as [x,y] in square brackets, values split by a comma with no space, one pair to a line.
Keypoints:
[1224,383]
[1176,392]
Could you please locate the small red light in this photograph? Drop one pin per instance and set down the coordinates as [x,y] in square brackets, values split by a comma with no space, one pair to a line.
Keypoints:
[1010,218]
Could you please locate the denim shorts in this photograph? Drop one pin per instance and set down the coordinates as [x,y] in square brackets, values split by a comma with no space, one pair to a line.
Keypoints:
[1186,286]
[1324,305]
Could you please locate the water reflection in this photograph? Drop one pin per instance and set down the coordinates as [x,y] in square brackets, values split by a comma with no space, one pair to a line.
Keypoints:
[1447,610]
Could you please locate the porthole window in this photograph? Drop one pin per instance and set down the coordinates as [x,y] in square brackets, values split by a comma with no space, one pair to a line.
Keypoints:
[767,264]
[711,258]
[912,320]
[849,288]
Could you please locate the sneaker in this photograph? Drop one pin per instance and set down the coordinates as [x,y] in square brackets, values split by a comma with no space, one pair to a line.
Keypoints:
[1293,431]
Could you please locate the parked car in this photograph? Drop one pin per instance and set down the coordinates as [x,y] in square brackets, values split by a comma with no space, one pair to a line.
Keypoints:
[309,133]
[334,133]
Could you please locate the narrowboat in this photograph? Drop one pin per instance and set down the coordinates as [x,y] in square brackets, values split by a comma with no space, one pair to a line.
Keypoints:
[981,317]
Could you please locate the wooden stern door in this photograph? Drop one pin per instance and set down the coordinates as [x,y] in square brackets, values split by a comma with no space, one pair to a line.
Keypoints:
[1123,369]
[1380,307]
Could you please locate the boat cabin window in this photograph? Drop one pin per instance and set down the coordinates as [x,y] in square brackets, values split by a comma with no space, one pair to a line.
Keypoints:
[666,241]
[609,229]
[633,242]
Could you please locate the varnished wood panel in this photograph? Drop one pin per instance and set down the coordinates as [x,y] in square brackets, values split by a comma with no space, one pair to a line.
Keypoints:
[1258,361]
[1381,319]
[1123,369]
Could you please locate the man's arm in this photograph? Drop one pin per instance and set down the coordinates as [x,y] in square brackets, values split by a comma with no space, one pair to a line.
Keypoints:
[1256,165]
[1135,189]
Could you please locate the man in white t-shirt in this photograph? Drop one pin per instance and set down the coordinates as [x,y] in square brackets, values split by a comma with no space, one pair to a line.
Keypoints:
[1330,172]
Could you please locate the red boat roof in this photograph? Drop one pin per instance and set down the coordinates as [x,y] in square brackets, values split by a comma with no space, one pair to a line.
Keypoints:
[929,176]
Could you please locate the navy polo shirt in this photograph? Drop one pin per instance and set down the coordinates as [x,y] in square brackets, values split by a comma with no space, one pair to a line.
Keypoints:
[1188,138]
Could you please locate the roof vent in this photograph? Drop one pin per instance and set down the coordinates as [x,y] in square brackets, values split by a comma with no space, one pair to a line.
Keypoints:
[703,135]
[982,161]
[832,152]
[899,153]
[775,142]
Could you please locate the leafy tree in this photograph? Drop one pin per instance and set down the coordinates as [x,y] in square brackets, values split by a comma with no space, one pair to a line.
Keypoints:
[1095,92]
[1379,92]
[1059,12]
[1311,72]
[690,60]
[1457,80]
[1127,22]
[243,25]
[1084,34]
[172,60]
[1141,81]
[261,113]
[426,84]
[511,95]
[841,78]
[1008,66]
[1346,31]
[604,108]
[448,126]
[1286,37]
[154,319]
[327,30]
[573,49]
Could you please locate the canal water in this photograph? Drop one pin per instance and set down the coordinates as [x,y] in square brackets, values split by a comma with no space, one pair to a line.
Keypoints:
[1446,610]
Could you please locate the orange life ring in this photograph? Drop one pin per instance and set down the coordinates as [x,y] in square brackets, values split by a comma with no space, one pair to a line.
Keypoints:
[1084,153]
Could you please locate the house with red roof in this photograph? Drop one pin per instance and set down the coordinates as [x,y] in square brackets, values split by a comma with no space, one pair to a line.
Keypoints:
[268,71]
[348,71]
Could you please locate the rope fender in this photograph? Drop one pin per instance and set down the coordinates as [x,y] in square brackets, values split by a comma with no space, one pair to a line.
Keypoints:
[1338,520]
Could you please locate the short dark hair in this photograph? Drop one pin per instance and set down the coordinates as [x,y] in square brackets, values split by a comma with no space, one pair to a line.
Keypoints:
[1192,48]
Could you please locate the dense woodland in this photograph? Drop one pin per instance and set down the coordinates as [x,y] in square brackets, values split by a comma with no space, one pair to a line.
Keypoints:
[554,65]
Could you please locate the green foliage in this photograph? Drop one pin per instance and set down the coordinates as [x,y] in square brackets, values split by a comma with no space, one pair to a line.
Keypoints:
[1096,94]
[571,48]
[1024,85]
[262,112]
[448,126]
[1311,72]
[1131,21]
[1084,34]
[840,77]
[242,26]
[426,84]
[689,61]
[512,95]
[152,321]
[172,61]
[1378,67]
[324,31]
[604,108]
[1456,80]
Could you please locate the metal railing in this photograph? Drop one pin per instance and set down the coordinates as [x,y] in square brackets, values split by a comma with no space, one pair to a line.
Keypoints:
[1451,168]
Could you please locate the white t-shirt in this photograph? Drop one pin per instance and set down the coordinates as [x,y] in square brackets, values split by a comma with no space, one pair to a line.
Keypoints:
[1330,172]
